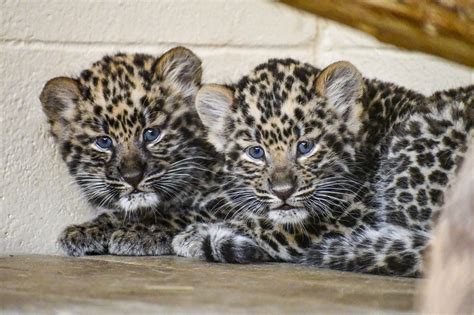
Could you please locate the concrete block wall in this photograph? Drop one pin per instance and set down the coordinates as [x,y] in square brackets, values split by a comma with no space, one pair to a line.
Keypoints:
[42,39]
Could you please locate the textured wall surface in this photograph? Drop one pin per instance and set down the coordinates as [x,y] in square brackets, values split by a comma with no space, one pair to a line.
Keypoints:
[42,39]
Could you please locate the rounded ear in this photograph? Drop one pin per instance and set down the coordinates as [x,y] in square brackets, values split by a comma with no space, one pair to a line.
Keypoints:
[213,103]
[59,98]
[182,67]
[342,85]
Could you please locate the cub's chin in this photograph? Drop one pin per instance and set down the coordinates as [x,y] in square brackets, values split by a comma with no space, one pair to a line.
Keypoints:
[138,200]
[288,216]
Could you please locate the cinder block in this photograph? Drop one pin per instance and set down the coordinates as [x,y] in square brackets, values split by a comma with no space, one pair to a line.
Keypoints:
[333,35]
[206,22]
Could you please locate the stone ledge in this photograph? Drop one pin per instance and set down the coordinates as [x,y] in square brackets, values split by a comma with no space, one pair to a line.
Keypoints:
[108,284]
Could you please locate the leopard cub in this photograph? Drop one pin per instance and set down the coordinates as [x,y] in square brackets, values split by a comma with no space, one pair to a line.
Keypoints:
[329,169]
[130,136]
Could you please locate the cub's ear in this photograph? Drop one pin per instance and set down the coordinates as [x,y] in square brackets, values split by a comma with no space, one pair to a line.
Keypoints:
[59,98]
[342,85]
[213,106]
[182,67]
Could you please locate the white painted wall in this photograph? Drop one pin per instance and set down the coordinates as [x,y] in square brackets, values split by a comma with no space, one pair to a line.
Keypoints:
[40,39]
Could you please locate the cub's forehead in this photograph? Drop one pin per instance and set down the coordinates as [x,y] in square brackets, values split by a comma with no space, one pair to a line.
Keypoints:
[120,66]
[119,94]
[273,101]
[118,79]
[277,89]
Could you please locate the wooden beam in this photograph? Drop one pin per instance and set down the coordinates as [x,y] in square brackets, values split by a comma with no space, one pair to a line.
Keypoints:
[443,28]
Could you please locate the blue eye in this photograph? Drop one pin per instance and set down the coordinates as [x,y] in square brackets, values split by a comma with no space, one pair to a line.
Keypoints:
[104,142]
[256,152]
[304,147]
[151,134]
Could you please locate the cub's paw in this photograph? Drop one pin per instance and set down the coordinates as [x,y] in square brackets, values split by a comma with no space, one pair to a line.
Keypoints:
[218,243]
[191,242]
[132,242]
[77,240]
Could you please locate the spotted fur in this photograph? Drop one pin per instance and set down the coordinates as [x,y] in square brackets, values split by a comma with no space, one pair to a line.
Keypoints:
[367,194]
[141,187]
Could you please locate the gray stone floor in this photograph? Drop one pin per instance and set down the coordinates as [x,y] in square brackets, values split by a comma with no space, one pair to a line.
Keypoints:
[109,284]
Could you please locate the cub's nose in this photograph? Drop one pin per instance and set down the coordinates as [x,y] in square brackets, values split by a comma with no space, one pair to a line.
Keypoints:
[133,178]
[132,172]
[283,191]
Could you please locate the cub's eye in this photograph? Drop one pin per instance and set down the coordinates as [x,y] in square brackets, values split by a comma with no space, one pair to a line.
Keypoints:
[304,147]
[151,134]
[104,142]
[256,152]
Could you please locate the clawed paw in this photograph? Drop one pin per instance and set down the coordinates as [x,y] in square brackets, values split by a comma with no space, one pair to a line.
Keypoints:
[78,240]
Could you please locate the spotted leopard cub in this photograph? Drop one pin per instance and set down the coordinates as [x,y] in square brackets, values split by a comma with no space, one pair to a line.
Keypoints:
[131,138]
[332,169]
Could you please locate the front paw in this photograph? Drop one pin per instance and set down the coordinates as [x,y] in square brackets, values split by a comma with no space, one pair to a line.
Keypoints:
[217,243]
[191,242]
[77,240]
[130,242]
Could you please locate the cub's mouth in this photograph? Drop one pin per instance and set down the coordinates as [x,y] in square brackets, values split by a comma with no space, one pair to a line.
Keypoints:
[285,207]
[138,199]
[288,214]
[288,207]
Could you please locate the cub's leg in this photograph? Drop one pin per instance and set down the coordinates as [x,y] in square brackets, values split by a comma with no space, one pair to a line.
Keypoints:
[89,238]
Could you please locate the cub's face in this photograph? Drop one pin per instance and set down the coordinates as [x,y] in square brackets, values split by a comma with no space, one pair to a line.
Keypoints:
[127,128]
[287,132]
